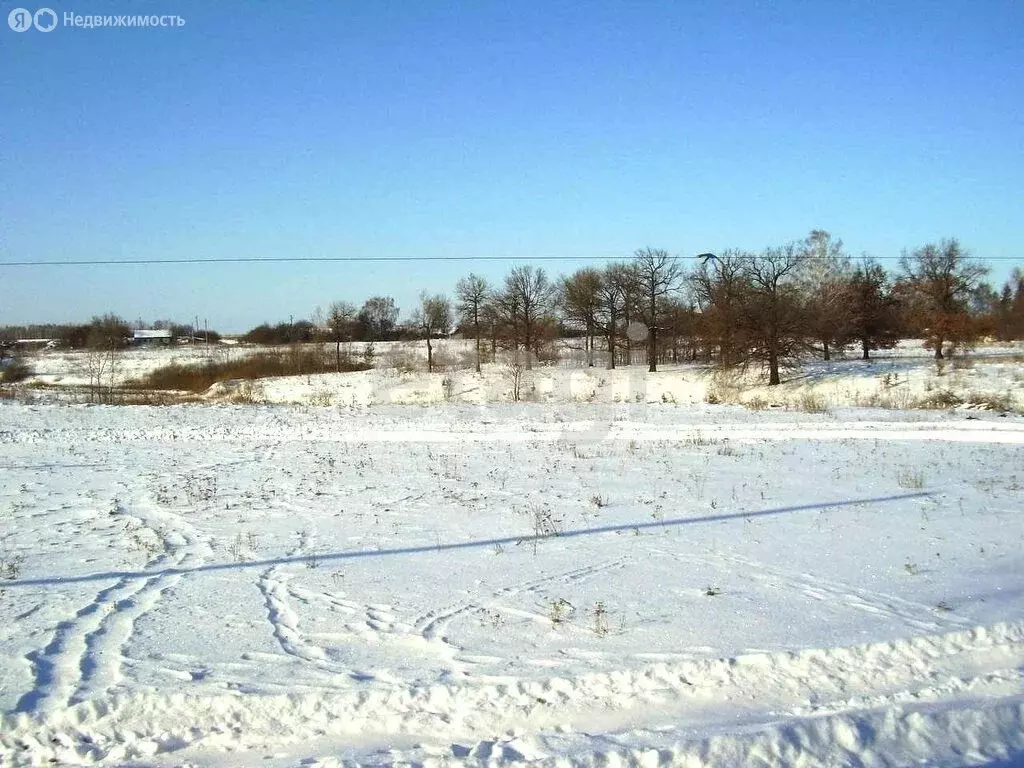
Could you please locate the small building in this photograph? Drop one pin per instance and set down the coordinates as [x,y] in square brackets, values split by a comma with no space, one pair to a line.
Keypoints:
[35,344]
[151,336]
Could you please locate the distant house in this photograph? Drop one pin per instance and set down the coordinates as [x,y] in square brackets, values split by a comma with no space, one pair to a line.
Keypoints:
[151,336]
[32,344]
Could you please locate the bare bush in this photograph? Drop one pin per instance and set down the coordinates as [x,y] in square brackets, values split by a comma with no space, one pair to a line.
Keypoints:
[248,393]
[910,478]
[560,611]
[939,400]
[993,401]
[812,402]
[447,360]
[513,372]
[15,372]
[401,359]
[448,387]
[102,365]
[295,361]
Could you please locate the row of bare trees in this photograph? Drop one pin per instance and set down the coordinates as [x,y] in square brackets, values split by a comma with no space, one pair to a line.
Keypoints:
[736,310]
[739,309]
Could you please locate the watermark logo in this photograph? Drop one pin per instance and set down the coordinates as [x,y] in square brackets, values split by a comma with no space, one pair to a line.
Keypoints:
[19,20]
[22,19]
[46,20]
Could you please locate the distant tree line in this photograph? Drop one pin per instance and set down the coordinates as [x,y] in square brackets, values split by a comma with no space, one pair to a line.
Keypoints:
[736,310]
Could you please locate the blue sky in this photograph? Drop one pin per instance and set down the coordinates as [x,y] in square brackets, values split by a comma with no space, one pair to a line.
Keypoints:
[519,130]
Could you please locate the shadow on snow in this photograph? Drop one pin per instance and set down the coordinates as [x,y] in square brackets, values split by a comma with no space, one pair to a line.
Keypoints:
[324,557]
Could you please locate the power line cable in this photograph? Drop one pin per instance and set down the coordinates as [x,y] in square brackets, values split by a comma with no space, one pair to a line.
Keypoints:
[364,259]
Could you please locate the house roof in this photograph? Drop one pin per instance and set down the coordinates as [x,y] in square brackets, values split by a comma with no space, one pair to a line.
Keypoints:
[150,333]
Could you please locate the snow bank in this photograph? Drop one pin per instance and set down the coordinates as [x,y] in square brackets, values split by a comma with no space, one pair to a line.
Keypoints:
[885,703]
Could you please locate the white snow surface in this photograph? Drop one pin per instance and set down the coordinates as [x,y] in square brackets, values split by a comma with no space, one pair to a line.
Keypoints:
[897,378]
[547,583]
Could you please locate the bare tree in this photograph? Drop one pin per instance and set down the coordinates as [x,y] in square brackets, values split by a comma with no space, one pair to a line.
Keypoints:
[342,321]
[825,273]
[611,296]
[658,276]
[493,318]
[317,318]
[941,278]
[378,317]
[719,286]
[1003,320]
[473,294]
[773,310]
[581,300]
[107,337]
[631,300]
[1008,309]
[434,316]
[874,312]
[680,325]
[1016,304]
[526,304]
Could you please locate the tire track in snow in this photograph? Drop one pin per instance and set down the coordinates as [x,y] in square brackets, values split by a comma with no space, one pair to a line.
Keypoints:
[60,668]
[86,654]
[433,625]
[375,617]
[285,622]
[426,632]
[182,548]
[273,584]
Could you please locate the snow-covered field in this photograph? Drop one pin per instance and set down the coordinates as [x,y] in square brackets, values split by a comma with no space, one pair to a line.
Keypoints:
[565,583]
[392,567]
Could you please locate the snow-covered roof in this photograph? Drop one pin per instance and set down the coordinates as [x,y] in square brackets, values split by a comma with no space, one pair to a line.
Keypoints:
[151,333]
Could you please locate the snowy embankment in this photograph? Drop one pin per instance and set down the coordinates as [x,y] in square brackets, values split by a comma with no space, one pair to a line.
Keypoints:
[991,377]
[907,377]
[559,584]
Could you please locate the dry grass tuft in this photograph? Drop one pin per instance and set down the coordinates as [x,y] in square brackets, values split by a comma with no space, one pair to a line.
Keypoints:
[812,402]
